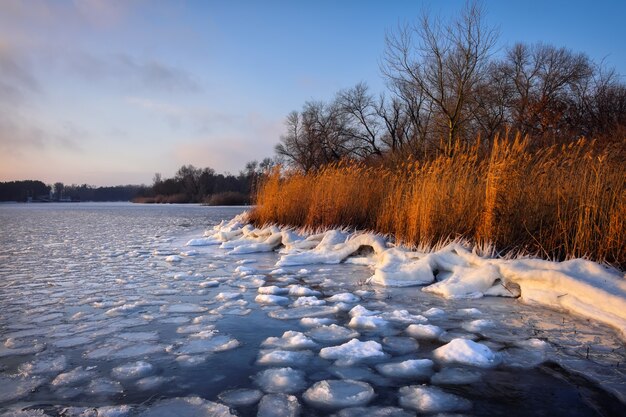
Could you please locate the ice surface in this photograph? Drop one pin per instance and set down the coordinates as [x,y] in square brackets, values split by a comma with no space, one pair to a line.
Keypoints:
[281,380]
[213,343]
[104,387]
[300,312]
[15,387]
[403,316]
[456,376]
[73,377]
[330,394]
[412,368]
[43,365]
[434,312]
[466,352]
[279,405]
[425,399]
[242,396]
[353,351]
[151,382]
[187,407]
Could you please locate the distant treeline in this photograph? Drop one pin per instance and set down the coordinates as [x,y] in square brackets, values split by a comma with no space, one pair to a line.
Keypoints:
[33,190]
[204,185]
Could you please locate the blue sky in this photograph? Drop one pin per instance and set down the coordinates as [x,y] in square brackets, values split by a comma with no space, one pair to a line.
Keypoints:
[109,92]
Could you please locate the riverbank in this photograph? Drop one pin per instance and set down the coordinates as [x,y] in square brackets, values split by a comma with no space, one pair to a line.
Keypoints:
[556,203]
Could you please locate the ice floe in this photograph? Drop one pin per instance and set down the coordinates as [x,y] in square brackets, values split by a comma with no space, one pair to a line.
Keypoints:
[353,351]
[466,352]
[187,407]
[412,368]
[281,380]
[424,331]
[241,396]
[331,394]
[290,340]
[132,370]
[332,333]
[279,405]
[427,399]
[284,357]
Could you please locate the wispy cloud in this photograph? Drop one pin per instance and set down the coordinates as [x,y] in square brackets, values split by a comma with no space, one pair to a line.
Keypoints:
[16,78]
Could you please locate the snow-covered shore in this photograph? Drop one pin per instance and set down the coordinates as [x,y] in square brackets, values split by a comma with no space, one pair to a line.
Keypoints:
[577,286]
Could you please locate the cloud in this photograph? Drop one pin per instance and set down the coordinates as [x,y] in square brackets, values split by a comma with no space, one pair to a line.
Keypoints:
[16,78]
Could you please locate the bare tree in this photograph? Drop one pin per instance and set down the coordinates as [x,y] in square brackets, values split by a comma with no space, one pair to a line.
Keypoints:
[363,124]
[443,61]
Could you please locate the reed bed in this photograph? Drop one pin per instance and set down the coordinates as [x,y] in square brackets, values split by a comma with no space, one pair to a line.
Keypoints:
[557,202]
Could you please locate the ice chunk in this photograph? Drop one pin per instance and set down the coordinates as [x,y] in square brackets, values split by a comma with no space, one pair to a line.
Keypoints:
[151,382]
[403,316]
[316,321]
[104,387]
[374,412]
[353,351]
[173,258]
[300,312]
[43,366]
[281,380]
[271,299]
[401,268]
[15,387]
[332,333]
[272,289]
[241,397]
[368,322]
[132,370]
[187,407]
[400,345]
[308,301]
[477,325]
[344,297]
[330,394]
[209,283]
[76,375]
[290,340]
[425,399]
[412,368]
[466,352]
[227,296]
[302,291]
[424,331]
[279,405]
[456,376]
[183,308]
[205,345]
[283,357]
[72,341]
[434,312]
[359,310]
[205,241]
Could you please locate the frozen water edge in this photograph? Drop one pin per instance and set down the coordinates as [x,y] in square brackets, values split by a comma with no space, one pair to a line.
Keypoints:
[172,317]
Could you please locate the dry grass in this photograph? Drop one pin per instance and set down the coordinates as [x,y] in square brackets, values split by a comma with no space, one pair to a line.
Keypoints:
[558,202]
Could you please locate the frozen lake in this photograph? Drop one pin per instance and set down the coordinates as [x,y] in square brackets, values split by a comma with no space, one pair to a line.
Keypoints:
[102,306]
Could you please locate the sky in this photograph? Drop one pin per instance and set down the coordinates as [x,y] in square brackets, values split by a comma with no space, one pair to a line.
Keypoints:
[107,92]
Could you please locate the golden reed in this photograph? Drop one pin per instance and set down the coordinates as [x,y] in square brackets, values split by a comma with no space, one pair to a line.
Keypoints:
[558,202]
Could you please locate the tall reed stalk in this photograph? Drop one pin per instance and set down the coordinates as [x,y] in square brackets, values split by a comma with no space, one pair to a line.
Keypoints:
[557,202]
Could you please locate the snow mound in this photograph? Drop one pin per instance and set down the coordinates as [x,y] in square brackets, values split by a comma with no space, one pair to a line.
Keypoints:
[466,352]
[329,394]
[425,399]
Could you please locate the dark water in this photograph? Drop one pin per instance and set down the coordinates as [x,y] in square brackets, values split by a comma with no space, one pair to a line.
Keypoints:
[89,283]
